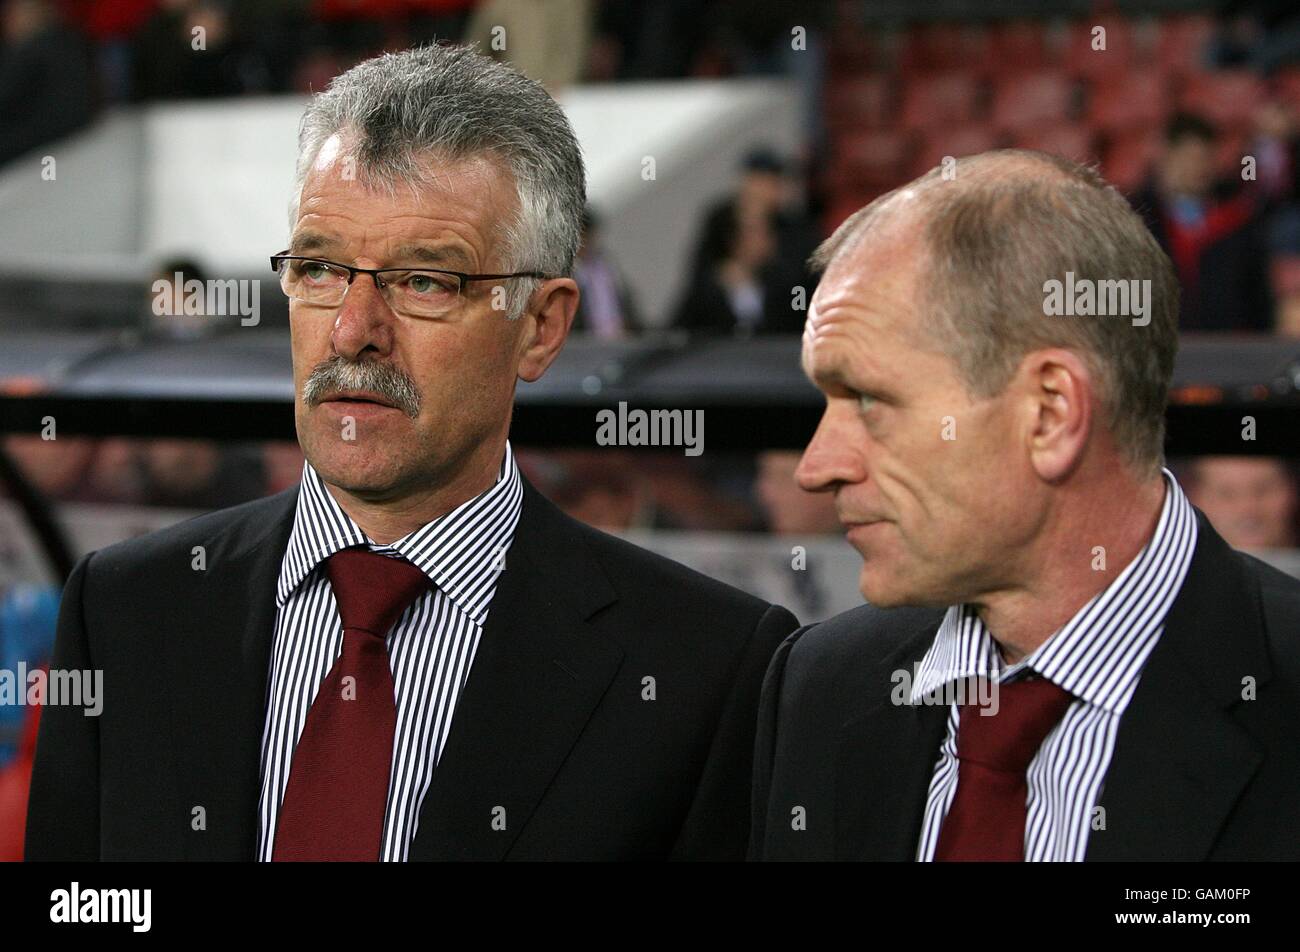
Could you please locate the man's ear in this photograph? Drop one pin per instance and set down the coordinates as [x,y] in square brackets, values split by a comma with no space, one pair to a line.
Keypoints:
[549,315]
[1059,392]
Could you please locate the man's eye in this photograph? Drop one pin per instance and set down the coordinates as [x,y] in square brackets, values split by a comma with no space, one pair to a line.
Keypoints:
[312,270]
[430,284]
[865,402]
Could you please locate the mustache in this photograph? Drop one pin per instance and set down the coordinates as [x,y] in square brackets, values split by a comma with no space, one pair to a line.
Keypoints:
[336,373]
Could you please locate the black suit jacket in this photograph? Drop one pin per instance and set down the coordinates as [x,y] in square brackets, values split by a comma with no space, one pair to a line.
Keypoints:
[1197,773]
[552,724]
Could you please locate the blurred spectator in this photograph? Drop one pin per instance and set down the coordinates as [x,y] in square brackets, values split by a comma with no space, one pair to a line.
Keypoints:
[736,288]
[169,316]
[1276,149]
[199,474]
[603,489]
[189,50]
[606,308]
[546,40]
[789,510]
[78,468]
[1250,500]
[1284,270]
[768,189]
[59,468]
[46,81]
[751,256]
[1211,230]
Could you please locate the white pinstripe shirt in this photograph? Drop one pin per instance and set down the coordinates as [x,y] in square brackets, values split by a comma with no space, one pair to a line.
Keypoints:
[430,649]
[1097,656]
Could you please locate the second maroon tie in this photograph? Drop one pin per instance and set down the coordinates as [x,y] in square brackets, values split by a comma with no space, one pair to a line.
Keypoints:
[987,818]
[334,803]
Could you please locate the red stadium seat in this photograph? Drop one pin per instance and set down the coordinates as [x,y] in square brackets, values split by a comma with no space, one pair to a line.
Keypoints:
[1120,53]
[1035,99]
[861,102]
[1018,46]
[1286,85]
[870,160]
[1127,159]
[1234,144]
[852,52]
[1181,43]
[958,141]
[935,101]
[1133,100]
[1225,97]
[943,47]
[1070,141]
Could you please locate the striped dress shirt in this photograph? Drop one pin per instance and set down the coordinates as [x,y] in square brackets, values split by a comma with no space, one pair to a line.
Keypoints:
[1097,656]
[430,649]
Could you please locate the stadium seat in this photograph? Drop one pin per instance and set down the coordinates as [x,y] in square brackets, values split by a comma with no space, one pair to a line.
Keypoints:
[1120,53]
[1127,158]
[1181,42]
[1071,141]
[1286,86]
[1018,46]
[957,141]
[1134,100]
[1032,100]
[860,102]
[870,159]
[940,100]
[942,47]
[1225,97]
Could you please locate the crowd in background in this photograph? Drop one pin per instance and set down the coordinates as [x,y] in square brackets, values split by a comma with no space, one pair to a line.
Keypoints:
[1169,108]
[1251,500]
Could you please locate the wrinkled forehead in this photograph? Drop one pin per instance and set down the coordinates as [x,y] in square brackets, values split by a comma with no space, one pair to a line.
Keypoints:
[871,289]
[478,187]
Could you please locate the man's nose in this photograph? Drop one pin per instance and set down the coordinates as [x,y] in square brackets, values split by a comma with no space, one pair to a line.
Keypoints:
[832,457]
[364,321]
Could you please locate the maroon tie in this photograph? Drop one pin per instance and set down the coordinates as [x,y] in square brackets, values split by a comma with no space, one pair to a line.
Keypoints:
[987,818]
[334,803]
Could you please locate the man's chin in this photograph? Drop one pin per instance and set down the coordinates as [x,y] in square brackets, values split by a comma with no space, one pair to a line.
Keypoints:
[357,470]
[885,590]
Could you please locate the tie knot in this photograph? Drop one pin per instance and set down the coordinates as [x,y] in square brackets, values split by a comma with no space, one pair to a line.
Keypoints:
[373,590]
[1007,740]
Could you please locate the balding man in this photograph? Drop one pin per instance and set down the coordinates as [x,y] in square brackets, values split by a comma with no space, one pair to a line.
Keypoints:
[1060,659]
[413,654]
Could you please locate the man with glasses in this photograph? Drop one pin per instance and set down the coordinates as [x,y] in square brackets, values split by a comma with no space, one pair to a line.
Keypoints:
[411,655]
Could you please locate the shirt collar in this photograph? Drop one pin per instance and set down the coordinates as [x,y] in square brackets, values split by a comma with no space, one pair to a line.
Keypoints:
[1098,654]
[462,551]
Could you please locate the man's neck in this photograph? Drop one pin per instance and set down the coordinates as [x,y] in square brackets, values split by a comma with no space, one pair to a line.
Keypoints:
[1084,550]
[389,518]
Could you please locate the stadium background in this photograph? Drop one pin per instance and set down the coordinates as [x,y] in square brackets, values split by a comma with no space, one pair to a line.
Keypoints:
[723,141]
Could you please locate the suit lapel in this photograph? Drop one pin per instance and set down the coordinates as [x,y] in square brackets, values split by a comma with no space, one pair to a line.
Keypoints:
[217,656]
[538,674]
[885,759]
[1181,760]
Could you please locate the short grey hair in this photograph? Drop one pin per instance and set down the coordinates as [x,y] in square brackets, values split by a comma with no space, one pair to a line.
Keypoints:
[996,227]
[451,102]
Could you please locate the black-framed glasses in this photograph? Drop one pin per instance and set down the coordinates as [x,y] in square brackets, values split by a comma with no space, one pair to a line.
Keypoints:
[413,292]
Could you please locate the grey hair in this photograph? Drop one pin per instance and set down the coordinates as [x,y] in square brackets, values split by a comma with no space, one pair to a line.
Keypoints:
[397,109]
[996,227]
